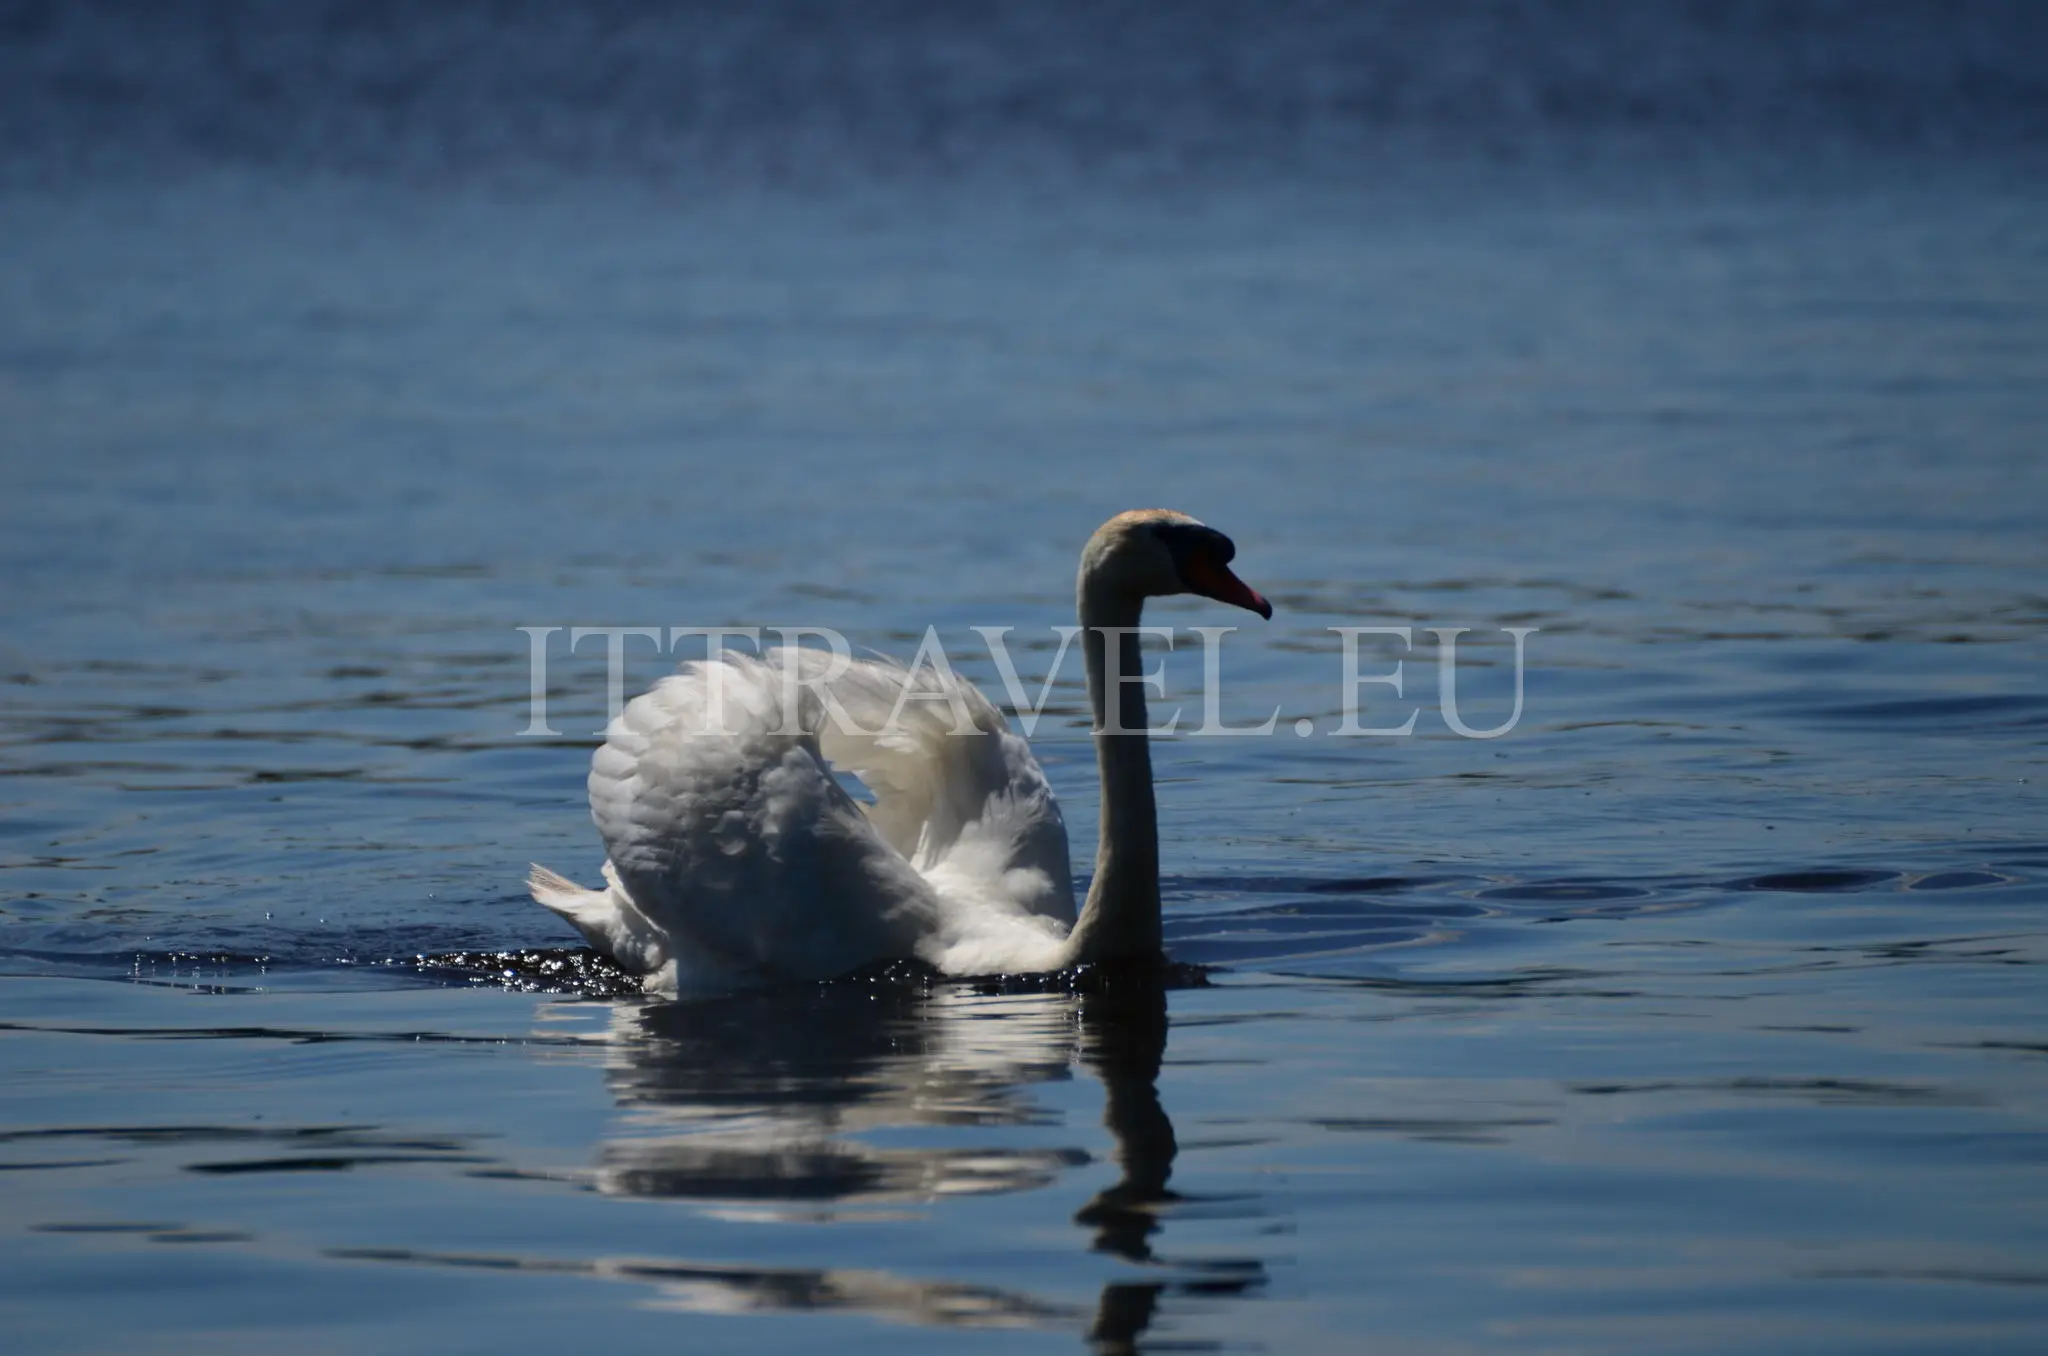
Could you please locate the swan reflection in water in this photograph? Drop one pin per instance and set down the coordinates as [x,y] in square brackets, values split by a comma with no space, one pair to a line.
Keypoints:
[759,1107]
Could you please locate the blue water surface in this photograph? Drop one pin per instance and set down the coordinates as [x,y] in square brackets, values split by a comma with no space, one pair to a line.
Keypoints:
[1696,1012]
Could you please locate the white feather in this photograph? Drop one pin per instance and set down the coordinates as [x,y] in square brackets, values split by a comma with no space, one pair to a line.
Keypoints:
[736,856]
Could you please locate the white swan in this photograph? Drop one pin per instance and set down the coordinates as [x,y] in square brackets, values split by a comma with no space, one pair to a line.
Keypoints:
[736,858]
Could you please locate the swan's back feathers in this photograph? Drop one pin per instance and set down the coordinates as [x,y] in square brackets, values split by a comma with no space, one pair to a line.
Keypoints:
[949,778]
[738,855]
[740,845]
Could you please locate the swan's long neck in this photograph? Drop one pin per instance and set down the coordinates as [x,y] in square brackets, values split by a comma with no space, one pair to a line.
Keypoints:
[1121,917]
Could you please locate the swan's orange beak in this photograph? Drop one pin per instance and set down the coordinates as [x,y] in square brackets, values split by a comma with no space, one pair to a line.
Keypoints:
[1212,579]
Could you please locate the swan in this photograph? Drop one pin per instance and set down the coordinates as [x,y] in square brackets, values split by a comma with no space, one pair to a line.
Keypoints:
[735,858]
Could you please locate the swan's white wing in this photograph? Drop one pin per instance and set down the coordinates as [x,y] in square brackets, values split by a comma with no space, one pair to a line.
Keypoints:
[736,855]
[960,796]
[738,845]
[948,776]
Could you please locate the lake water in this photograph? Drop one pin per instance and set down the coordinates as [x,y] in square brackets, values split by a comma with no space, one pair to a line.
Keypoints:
[1703,1010]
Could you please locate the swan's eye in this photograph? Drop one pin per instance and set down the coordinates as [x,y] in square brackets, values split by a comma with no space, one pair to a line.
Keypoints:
[1191,542]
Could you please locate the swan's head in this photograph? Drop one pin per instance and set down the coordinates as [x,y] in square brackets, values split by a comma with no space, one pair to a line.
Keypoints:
[1150,553]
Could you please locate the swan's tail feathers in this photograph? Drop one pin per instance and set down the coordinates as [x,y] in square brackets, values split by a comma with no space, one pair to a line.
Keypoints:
[607,918]
[558,892]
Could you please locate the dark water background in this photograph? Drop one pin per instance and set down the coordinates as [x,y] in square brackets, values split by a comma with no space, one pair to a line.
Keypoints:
[1701,1012]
